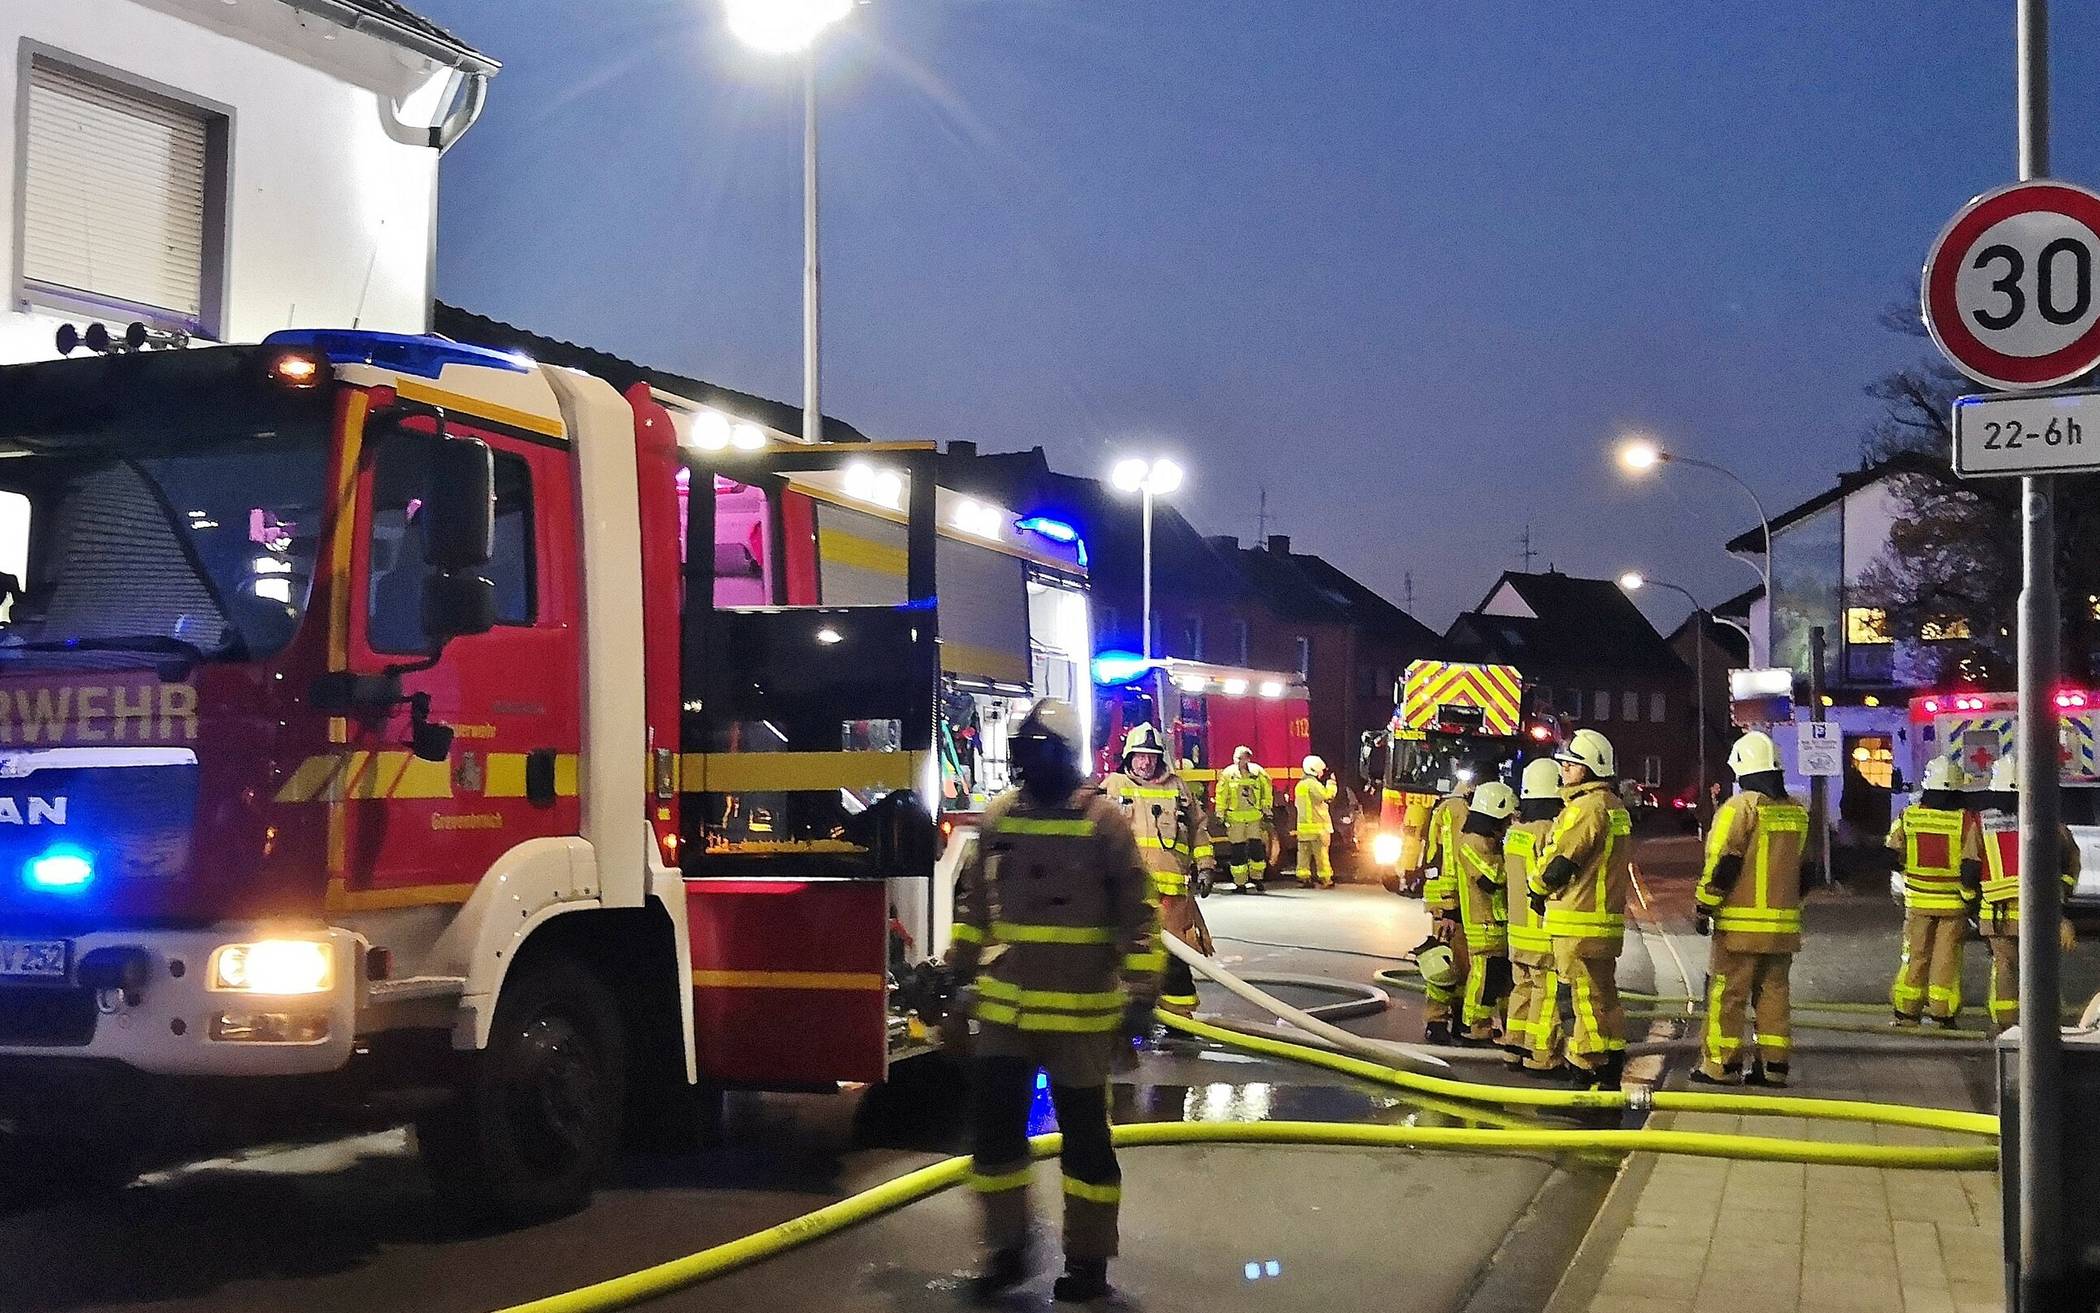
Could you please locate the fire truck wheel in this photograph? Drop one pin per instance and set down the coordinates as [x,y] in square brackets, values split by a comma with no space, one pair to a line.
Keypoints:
[537,1114]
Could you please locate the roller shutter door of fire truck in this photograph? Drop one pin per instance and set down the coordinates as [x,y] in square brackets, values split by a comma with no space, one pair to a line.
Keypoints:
[983,592]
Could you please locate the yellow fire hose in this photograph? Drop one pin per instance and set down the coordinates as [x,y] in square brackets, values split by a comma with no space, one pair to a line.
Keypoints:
[722,1259]
[719,1260]
[1675,1005]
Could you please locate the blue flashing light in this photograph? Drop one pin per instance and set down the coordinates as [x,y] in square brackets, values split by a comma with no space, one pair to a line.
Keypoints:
[406,353]
[1120,667]
[60,869]
[1056,531]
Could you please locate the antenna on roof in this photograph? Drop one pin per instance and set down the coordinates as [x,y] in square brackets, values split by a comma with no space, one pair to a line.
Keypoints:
[1261,518]
[1407,591]
[1528,554]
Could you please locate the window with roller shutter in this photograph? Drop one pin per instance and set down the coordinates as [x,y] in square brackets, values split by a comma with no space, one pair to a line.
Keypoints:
[122,201]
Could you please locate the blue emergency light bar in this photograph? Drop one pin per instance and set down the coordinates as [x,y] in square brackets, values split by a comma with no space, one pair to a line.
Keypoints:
[406,353]
[1120,667]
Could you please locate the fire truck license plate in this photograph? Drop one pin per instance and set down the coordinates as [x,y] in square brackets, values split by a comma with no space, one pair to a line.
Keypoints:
[32,959]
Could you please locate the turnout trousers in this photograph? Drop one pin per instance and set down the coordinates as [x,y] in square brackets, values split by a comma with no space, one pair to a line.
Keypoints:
[1593,987]
[1002,1089]
[1929,979]
[1746,990]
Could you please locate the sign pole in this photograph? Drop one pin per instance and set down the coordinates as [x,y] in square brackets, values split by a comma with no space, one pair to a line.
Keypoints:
[2043,1281]
[1819,785]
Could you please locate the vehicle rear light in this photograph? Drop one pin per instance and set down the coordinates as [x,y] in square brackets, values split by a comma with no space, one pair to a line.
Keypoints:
[296,371]
[1385,848]
[269,1027]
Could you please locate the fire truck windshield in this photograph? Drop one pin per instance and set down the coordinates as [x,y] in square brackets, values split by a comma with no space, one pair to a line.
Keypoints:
[195,546]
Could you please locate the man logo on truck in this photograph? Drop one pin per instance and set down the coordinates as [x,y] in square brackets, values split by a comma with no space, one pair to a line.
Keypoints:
[33,811]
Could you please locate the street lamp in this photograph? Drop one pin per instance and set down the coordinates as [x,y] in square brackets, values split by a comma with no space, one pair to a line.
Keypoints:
[1633,581]
[1149,478]
[788,27]
[1638,455]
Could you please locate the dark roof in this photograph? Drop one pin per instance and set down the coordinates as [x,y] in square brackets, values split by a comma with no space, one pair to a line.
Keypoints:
[466,326]
[404,23]
[1583,623]
[1726,637]
[1299,586]
[1753,539]
[1738,607]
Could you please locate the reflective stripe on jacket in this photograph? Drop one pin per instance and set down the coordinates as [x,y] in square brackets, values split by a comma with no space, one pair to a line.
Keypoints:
[1761,911]
[1245,796]
[1529,944]
[1481,899]
[1057,925]
[1314,818]
[1167,821]
[1932,842]
[1998,834]
[1446,820]
[1595,833]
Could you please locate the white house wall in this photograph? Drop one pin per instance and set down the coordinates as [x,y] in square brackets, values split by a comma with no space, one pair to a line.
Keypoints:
[330,215]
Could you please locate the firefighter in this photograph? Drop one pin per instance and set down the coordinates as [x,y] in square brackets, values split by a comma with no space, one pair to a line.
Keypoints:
[1173,837]
[1316,825]
[1057,944]
[1483,912]
[1998,891]
[1931,838]
[1447,820]
[1246,797]
[1581,888]
[1749,899]
[1531,1030]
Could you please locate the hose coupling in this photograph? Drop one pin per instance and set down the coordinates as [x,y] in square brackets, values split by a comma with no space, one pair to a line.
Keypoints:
[1641,1099]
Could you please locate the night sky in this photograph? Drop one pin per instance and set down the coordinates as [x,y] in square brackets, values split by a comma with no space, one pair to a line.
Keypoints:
[1410,266]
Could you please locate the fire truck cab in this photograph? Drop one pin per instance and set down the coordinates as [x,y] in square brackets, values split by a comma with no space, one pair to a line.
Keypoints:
[384,722]
[1454,723]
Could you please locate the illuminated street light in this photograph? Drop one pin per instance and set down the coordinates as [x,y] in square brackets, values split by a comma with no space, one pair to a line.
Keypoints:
[1638,455]
[791,27]
[1151,478]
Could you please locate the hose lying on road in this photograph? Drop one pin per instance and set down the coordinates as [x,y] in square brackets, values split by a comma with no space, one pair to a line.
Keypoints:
[1358,999]
[1848,1110]
[722,1259]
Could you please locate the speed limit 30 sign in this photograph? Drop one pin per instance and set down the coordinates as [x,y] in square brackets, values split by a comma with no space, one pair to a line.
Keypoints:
[2009,291]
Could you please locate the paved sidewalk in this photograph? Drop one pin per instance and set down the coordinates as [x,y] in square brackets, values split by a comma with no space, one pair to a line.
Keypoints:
[1708,1236]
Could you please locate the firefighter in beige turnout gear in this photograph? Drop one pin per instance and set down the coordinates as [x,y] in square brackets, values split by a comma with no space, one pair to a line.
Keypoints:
[1531,1029]
[1749,899]
[1582,886]
[1173,838]
[1245,801]
[1315,799]
[1933,839]
[1057,938]
[1997,841]
[1447,820]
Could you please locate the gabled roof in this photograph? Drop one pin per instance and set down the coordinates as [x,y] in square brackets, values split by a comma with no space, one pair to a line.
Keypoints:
[396,22]
[1753,539]
[1726,637]
[1571,622]
[466,326]
[1297,585]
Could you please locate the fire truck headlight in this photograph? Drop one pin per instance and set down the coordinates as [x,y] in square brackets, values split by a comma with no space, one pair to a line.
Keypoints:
[1385,848]
[275,967]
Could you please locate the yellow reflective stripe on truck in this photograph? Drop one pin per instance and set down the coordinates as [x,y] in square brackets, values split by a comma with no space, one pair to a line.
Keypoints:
[798,772]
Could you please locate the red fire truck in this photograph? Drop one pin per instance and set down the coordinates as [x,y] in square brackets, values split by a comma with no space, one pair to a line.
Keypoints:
[1207,711]
[382,719]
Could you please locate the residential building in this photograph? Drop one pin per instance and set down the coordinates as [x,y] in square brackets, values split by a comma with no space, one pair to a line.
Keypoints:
[1821,551]
[1710,648]
[220,170]
[1588,655]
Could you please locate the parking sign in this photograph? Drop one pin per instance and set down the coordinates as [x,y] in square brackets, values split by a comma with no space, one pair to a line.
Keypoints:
[1821,748]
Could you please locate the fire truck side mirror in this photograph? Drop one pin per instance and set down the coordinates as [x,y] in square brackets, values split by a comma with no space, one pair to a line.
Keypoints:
[460,509]
[455,605]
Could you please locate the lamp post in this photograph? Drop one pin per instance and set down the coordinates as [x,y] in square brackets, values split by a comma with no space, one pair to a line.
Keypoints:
[1639,455]
[1633,581]
[1149,478]
[790,27]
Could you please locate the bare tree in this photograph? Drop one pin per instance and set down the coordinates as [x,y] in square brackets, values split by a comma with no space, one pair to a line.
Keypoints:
[1953,571]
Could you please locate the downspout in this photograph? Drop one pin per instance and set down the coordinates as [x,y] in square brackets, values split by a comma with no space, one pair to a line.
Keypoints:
[465,113]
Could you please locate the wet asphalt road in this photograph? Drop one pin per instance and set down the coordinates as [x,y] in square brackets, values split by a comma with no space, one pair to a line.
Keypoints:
[349,1225]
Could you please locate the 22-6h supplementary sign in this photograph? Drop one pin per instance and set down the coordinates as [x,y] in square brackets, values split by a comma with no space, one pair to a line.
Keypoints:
[2035,433]
[2009,289]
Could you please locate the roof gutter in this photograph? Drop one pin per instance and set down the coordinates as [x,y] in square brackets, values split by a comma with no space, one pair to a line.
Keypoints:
[450,54]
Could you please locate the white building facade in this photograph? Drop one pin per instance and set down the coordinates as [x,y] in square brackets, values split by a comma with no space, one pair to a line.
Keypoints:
[221,169]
